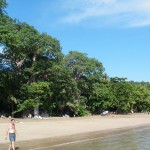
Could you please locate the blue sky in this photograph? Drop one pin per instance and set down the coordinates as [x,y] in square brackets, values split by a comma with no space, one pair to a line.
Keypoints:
[116,32]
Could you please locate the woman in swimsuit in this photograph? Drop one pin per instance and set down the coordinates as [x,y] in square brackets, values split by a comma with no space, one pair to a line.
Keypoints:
[11,133]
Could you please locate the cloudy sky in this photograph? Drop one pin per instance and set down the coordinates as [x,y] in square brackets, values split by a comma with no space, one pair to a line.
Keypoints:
[116,32]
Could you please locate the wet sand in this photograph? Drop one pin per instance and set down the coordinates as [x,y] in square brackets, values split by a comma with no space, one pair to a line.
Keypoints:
[33,133]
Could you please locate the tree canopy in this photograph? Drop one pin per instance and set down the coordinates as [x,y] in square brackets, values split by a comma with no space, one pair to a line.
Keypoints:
[34,73]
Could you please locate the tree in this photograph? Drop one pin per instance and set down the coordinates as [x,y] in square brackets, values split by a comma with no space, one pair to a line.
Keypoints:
[30,55]
[101,98]
[3,5]
[85,71]
[82,66]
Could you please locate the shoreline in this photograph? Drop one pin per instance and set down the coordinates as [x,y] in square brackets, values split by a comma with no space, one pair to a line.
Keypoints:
[38,144]
[34,133]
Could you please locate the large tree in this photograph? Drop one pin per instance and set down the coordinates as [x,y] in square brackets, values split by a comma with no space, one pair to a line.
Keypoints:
[29,55]
[85,71]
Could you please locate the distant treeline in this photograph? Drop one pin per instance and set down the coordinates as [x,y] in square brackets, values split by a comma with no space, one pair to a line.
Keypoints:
[34,73]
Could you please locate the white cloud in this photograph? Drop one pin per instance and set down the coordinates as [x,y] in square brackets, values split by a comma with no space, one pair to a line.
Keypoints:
[129,13]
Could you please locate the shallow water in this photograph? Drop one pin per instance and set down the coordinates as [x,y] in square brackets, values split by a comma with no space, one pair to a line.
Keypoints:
[134,139]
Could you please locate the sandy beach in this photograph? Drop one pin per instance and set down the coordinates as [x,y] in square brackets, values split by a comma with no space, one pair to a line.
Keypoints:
[33,133]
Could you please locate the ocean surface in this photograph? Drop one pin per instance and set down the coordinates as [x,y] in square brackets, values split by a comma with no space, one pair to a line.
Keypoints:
[133,139]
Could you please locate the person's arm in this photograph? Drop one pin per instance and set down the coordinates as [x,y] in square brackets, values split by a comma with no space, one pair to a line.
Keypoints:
[7,132]
[15,130]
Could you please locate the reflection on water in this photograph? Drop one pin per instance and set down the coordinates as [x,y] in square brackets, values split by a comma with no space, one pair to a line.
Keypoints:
[135,139]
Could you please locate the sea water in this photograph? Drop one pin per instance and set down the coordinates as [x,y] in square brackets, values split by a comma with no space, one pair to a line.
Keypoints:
[134,139]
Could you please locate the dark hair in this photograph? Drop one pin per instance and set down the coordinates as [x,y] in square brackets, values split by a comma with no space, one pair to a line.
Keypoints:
[12,120]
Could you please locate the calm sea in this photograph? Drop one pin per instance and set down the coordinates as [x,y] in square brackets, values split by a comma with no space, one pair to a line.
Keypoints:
[134,139]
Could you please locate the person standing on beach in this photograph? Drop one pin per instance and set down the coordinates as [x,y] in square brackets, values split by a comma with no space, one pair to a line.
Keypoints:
[11,133]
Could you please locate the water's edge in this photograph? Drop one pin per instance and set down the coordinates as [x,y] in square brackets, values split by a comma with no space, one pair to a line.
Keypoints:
[52,142]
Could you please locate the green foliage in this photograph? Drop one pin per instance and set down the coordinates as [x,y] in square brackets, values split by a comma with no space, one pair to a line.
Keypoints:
[82,66]
[3,5]
[39,75]
[28,104]
[79,106]
[34,95]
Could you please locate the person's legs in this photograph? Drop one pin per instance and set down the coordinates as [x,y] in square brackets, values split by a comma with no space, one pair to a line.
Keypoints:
[12,138]
[10,146]
[13,145]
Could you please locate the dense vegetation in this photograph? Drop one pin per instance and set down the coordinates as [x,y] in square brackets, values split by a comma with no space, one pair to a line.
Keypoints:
[34,74]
